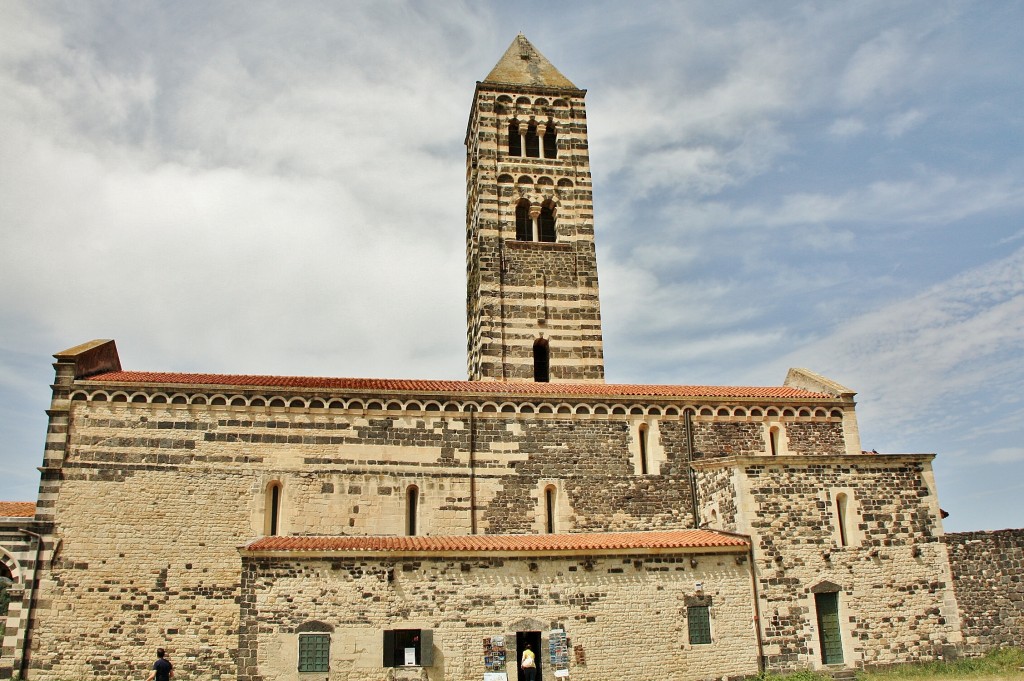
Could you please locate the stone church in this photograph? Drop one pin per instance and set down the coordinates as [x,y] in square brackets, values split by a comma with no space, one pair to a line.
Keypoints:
[279,527]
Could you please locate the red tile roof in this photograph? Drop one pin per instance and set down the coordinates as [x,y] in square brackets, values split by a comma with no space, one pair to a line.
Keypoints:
[17,509]
[473,387]
[504,543]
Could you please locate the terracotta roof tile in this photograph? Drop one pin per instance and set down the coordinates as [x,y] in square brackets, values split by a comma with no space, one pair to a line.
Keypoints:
[17,509]
[525,543]
[449,387]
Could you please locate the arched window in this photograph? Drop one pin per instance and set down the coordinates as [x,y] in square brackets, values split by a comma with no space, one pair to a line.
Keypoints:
[515,140]
[549,509]
[842,503]
[541,360]
[773,438]
[412,500]
[272,523]
[547,223]
[532,141]
[524,224]
[642,437]
[550,142]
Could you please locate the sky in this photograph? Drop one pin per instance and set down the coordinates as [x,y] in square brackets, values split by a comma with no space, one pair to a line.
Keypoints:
[279,188]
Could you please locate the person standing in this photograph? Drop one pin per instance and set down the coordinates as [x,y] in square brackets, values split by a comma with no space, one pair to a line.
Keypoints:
[528,664]
[162,669]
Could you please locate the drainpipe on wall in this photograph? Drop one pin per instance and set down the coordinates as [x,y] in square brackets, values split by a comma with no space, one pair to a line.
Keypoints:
[689,466]
[501,296]
[757,597]
[472,471]
[36,567]
[757,607]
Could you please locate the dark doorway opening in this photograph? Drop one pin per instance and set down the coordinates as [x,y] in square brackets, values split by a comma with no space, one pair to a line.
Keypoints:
[531,638]
[541,361]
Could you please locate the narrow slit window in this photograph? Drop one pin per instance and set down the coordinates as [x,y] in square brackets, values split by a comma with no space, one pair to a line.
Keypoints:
[842,503]
[773,437]
[272,525]
[412,500]
[549,509]
[642,436]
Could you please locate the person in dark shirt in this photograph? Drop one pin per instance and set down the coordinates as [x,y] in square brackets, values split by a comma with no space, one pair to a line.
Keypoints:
[162,669]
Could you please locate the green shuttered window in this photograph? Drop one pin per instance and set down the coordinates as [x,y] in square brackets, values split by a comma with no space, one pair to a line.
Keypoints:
[698,619]
[314,652]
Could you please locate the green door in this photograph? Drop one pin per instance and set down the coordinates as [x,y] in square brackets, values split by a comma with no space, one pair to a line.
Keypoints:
[828,627]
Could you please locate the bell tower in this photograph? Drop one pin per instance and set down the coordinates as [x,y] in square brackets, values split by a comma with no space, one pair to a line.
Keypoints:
[532,305]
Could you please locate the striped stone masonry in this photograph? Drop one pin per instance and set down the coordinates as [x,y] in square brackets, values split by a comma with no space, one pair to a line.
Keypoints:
[521,291]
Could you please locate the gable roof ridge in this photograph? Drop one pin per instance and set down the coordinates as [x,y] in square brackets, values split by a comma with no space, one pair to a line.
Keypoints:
[452,386]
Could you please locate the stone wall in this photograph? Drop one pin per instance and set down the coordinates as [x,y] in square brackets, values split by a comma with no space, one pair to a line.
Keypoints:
[154,500]
[891,574]
[624,615]
[151,497]
[18,552]
[988,573]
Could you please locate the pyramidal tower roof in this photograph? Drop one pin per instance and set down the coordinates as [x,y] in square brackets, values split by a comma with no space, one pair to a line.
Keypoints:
[522,64]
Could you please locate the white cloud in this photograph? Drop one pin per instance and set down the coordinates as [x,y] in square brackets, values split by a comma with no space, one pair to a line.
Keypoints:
[847,127]
[281,190]
[899,124]
[927,198]
[1006,455]
[916,359]
[877,68]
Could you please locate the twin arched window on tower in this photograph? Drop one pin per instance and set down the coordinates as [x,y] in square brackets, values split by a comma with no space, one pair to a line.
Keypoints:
[526,138]
[535,228]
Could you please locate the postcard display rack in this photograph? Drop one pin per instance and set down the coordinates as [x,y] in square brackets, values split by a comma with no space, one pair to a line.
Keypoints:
[558,649]
[495,659]
[496,656]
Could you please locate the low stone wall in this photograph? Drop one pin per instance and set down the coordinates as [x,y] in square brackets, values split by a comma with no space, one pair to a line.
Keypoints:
[988,575]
